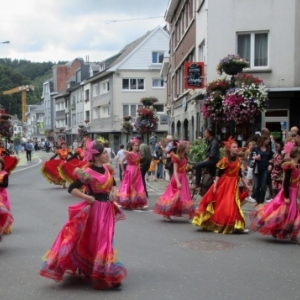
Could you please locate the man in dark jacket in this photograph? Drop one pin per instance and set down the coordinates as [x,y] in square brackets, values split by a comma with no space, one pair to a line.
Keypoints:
[212,156]
[146,157]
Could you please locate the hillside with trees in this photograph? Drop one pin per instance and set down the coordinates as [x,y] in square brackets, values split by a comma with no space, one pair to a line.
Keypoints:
[14,73]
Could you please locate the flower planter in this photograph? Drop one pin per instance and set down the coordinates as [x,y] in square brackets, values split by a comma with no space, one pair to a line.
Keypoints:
[233,69]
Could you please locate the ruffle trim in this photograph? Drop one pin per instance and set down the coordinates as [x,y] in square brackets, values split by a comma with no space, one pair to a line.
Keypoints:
[222,163]
[50,178]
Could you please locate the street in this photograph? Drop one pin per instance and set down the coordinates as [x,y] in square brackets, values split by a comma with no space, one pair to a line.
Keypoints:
[164,260]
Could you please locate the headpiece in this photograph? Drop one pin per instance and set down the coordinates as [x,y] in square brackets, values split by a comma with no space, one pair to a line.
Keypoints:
[101,139]
[89,151]
[288,147]
[134,140]
[229,142]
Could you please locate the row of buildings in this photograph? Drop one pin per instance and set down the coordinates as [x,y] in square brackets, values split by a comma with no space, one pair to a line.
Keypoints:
[98,96]
[266,33]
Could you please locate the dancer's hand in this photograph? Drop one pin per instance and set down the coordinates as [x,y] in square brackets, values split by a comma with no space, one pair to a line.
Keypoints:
[286,200]
[179,185]
[90,199]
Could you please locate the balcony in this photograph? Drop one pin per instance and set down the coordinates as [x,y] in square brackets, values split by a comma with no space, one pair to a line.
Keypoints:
[73,106]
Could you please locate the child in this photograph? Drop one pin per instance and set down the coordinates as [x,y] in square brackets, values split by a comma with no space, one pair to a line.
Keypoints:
[251,163]
[276,173]
[152,169]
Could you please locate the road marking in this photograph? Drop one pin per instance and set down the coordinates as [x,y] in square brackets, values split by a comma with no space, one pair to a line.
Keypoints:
[19,170]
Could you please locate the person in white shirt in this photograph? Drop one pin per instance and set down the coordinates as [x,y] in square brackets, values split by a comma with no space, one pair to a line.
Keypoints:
[120,155]
[111,153]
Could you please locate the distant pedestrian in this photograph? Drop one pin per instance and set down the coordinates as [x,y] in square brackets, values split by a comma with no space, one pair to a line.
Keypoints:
[146,157]
[120,155]
[28,149]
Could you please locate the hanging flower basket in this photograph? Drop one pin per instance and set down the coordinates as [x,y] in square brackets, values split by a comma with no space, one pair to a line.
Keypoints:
[146,121]
[127,118]
[219,85]
[232,65]
[233,69]
[148,101]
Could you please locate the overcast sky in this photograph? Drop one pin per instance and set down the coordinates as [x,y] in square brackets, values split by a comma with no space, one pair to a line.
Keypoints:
[53,30]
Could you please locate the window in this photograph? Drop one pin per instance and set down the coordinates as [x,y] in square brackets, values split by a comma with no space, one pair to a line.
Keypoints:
[74,120]
[87,95]
[159,107]
[157,57]
[104,87]
[67,119]
[46,89]
[133,84]
[254,48]
[157,83]
[131,109]
[87,115]
[95,90]
[105,111]
[96,112]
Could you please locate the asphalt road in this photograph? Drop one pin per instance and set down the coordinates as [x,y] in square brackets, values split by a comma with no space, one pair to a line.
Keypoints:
[164,260]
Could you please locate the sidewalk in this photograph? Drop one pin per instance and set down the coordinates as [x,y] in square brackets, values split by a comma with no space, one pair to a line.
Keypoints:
[160,185]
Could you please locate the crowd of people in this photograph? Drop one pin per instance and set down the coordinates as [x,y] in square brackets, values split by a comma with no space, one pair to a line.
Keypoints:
[85,243]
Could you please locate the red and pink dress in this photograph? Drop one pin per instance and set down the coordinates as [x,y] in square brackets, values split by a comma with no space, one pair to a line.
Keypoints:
[277,218]
[10,160]
[6,218]
[131,193]
[50,168]
[174,201]
[221,212]
[66,170]
[85,242]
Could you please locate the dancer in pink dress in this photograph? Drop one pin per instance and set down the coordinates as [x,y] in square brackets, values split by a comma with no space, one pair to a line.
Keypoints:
[6,218]
[281,216]
[176,199]
[131,193]
[85,242]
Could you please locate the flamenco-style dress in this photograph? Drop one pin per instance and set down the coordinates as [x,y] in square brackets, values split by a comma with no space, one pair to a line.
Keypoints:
[6,218]
[131,193]
[85,243]
[221,212]
[10,161]
[277,218]
[277,173]
[50,167]
[174,201]
[66,170]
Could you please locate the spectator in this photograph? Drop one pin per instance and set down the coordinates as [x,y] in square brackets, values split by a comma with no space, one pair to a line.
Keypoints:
[212,157]
[120,156]
[146,158]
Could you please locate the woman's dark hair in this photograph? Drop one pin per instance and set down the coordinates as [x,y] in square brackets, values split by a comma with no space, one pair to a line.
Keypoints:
[121,146]
[106,144]
[261,141]
[2,162]
[175,142]
[99,147]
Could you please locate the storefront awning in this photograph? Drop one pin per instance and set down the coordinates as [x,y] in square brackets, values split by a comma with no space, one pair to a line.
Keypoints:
[285,89]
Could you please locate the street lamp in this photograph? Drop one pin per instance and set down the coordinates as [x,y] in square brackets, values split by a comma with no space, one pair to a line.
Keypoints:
[5,42]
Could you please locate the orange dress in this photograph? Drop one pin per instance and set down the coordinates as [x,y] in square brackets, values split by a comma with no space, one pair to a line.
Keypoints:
[221,212]
[50,168]
[66,170]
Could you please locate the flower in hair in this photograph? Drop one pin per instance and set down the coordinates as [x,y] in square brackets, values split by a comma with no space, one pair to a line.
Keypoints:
[288,147]
[229,142]
[89,151]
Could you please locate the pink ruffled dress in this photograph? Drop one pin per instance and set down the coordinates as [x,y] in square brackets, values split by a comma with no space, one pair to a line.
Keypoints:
[175,202]
[277,218]
[131,193]
[85,242]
